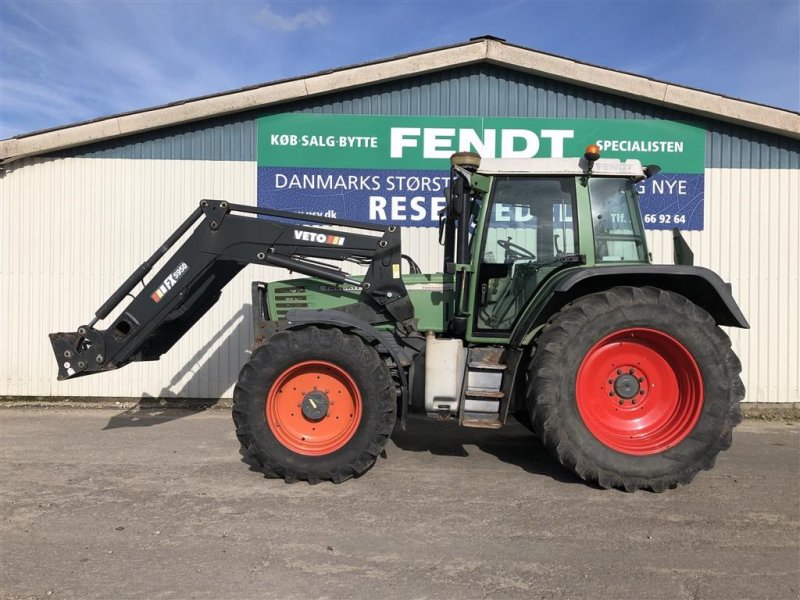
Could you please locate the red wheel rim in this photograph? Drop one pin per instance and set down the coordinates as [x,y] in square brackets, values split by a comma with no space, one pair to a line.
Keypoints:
[639,391]
[294,408]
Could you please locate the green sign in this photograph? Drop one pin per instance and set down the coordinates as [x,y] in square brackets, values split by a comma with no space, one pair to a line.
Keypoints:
[380,142]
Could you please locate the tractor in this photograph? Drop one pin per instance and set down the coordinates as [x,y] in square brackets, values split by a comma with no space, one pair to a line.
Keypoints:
[547,309]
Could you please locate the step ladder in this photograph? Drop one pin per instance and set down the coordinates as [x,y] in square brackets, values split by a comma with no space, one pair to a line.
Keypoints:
[482,389]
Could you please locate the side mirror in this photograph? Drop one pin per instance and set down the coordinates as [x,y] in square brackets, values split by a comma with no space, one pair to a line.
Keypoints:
[682,253]
[651,170]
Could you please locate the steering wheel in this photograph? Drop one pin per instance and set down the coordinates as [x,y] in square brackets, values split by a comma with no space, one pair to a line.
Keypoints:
[515,251]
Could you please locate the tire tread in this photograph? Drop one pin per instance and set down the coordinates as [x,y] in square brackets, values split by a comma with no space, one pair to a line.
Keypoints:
[249,397]
[543,380]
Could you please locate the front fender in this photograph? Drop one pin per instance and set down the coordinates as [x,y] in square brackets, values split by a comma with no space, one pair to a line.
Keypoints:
[296,319]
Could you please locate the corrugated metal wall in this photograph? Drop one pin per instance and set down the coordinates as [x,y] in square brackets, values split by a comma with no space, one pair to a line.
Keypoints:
[482,90]
[752,220]
[71,230]
[74,225]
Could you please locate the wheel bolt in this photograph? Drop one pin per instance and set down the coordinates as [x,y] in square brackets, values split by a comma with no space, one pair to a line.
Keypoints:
[610,393]
[633,401]
[619,371]
[621,402]
[641,379]
[641,392]
[609,381]
[631,371]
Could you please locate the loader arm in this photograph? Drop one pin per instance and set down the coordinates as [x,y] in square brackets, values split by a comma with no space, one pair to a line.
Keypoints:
[224,239]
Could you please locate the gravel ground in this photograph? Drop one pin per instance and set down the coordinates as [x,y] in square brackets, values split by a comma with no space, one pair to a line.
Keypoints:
[110,503]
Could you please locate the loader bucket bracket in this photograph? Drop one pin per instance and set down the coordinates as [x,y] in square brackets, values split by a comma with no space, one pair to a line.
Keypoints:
[78,353]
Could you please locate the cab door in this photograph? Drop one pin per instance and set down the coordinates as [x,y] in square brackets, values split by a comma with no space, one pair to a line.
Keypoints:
[529,224]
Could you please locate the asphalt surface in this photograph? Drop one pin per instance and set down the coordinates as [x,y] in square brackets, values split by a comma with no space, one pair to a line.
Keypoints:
[103,503]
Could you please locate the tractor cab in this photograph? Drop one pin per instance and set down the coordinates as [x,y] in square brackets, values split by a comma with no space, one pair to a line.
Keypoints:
[526,220]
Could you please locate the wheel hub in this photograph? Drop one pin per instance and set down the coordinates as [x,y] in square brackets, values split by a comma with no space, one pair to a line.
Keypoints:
[315,405]
[626,386]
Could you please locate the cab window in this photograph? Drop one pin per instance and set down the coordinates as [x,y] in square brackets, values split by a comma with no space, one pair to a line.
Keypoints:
[618,236]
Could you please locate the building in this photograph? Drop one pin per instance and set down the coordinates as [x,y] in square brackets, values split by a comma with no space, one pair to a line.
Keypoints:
[83,205]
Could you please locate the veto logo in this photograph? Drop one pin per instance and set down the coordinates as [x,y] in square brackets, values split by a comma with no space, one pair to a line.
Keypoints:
[169,282]
[320,238]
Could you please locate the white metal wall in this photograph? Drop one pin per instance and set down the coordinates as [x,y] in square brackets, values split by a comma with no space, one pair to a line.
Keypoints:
[752,239]
[71,230]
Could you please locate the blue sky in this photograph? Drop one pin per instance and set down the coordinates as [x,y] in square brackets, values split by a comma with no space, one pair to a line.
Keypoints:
[67,61]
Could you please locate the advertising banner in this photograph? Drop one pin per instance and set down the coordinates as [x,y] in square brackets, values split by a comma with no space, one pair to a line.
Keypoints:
[390,169]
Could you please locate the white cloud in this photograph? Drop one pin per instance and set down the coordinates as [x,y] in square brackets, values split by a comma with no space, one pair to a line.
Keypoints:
[311,18]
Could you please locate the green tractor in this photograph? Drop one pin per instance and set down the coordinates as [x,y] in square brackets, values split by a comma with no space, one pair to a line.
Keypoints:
[547,309]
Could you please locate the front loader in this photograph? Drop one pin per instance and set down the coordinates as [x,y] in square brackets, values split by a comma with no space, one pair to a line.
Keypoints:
[547,308]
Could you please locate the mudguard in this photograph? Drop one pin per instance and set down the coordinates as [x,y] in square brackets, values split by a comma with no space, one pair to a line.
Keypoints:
[296,319]
[700,285]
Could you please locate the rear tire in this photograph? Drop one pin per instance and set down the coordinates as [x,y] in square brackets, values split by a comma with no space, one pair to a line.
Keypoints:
[634,388]
[314,404]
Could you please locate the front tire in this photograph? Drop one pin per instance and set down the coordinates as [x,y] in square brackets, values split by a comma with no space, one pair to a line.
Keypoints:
[634,388]
[314,404]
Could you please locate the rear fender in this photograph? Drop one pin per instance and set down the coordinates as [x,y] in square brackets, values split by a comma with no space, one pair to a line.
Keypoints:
[702,286]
